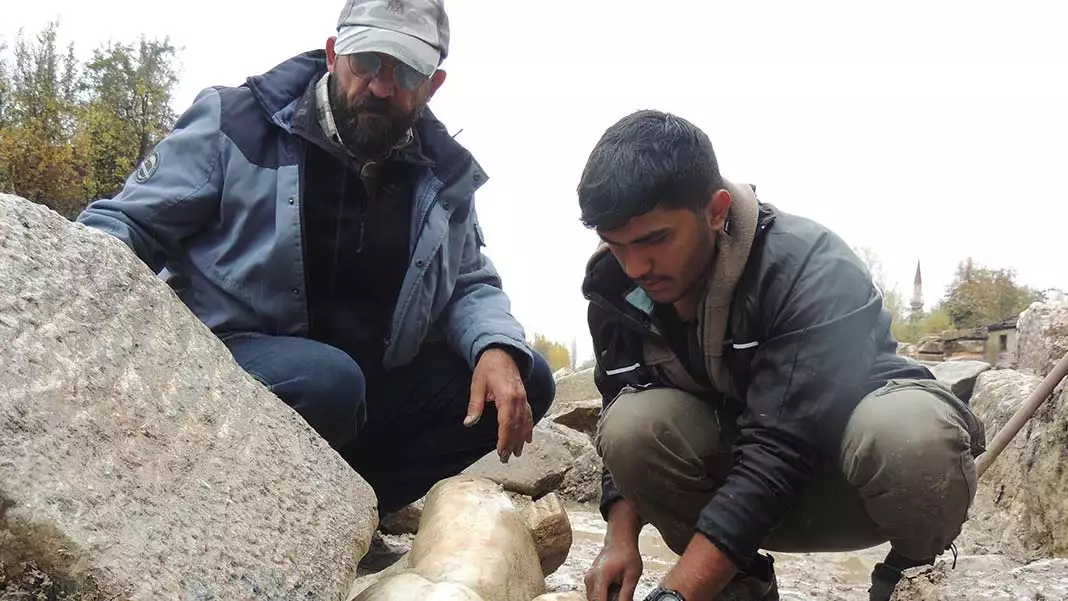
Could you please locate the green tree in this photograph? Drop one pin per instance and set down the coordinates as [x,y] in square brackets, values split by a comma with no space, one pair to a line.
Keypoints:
[555,354]
[37,159]
[70,133]
[5,87]
[892,299]
[128,92]
[980,295]
[934,322]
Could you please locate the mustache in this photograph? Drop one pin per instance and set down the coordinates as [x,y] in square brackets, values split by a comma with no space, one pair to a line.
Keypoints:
[373,104]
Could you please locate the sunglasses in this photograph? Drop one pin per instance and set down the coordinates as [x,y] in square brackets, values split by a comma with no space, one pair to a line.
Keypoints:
[366,65]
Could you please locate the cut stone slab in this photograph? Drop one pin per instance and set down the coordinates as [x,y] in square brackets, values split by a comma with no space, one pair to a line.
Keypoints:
[551,530]
[137,460]
[580,415]
[960,376]
[539,471]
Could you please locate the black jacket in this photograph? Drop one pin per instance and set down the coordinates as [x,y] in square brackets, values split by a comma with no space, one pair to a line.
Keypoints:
[807,338]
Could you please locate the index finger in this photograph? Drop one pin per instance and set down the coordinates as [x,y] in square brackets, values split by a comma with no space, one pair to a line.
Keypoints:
[505,416]
[596,590]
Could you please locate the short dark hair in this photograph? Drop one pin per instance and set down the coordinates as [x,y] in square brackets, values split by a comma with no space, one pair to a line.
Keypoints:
[646,159]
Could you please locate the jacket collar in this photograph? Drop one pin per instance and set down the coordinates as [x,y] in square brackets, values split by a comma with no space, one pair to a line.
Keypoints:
[279,91]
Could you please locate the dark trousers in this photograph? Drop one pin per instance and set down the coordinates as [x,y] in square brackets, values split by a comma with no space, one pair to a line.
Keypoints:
[403,430]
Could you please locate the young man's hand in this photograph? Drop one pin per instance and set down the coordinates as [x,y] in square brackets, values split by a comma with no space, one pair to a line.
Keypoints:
[702,572]
[619,564]
[497,380]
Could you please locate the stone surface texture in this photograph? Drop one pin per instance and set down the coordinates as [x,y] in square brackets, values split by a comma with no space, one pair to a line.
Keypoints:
[137,460]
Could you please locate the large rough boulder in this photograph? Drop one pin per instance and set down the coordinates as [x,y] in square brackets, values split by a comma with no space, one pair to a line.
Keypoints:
[1021,507]
[986,578]
[137,460]
[1042,338]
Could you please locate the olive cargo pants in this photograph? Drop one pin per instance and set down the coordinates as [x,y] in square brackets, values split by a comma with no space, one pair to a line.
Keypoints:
[906,472]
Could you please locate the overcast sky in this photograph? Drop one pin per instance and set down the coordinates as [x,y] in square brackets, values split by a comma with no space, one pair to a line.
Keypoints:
[926,130]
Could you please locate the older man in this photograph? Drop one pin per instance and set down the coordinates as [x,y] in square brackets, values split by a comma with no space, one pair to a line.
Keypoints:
[320,220]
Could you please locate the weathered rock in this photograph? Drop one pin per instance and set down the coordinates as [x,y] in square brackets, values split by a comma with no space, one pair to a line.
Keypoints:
[539,471]
[576,442]
[562,372]
[582,483]
[960,375]
[929,357]
[1043,337]
[1021,501]
[137,460]
[979,333]
[985,579]
[403,521]
[998,394]
[580,415]
[929,345]
[578,386]
[972,348]
[551,531]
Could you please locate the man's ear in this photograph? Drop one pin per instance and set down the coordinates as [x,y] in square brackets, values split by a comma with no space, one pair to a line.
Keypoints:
[436,80]
[716,211]
[331,55]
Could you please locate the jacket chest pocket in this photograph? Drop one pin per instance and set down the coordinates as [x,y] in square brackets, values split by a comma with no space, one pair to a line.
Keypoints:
[738,362]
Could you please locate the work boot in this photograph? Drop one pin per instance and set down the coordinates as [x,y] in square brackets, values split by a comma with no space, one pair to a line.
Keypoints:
[886,575]
[755,583]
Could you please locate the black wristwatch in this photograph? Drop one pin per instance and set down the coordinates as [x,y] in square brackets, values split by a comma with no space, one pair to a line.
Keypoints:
[664,594]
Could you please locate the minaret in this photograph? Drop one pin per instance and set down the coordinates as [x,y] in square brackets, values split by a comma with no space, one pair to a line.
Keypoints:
[917,294]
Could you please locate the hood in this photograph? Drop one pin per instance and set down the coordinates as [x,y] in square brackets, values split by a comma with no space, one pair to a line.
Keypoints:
[279,89]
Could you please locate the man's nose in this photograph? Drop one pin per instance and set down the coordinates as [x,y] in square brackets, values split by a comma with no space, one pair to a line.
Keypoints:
[636,265]
[382,83]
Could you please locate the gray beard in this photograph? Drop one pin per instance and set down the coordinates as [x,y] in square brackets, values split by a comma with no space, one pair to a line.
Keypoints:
[372,129]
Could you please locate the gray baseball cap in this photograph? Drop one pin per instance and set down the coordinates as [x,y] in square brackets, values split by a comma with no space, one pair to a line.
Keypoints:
[413,31]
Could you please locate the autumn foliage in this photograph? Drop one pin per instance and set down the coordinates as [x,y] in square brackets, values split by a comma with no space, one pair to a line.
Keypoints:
[71,132]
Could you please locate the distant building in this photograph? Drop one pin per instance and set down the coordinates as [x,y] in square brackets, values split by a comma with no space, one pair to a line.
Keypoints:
[1001,342]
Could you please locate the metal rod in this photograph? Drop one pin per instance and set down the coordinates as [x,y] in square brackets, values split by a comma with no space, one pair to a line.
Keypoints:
[1024,413]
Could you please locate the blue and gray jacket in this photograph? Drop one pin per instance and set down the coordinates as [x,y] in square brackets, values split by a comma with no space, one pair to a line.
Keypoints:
[216,211]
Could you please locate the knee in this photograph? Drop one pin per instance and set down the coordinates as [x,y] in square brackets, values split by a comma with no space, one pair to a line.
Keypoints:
[911,442]
[638,430]
[910,428]
[332,396]
[541,387]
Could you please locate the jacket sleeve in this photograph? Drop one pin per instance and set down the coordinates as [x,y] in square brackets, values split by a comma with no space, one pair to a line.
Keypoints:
[601,332]
[173,193]
[805,377]
[609,390]
[479,313]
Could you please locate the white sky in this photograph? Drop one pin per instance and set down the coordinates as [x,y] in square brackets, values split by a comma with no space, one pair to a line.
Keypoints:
[927,130]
